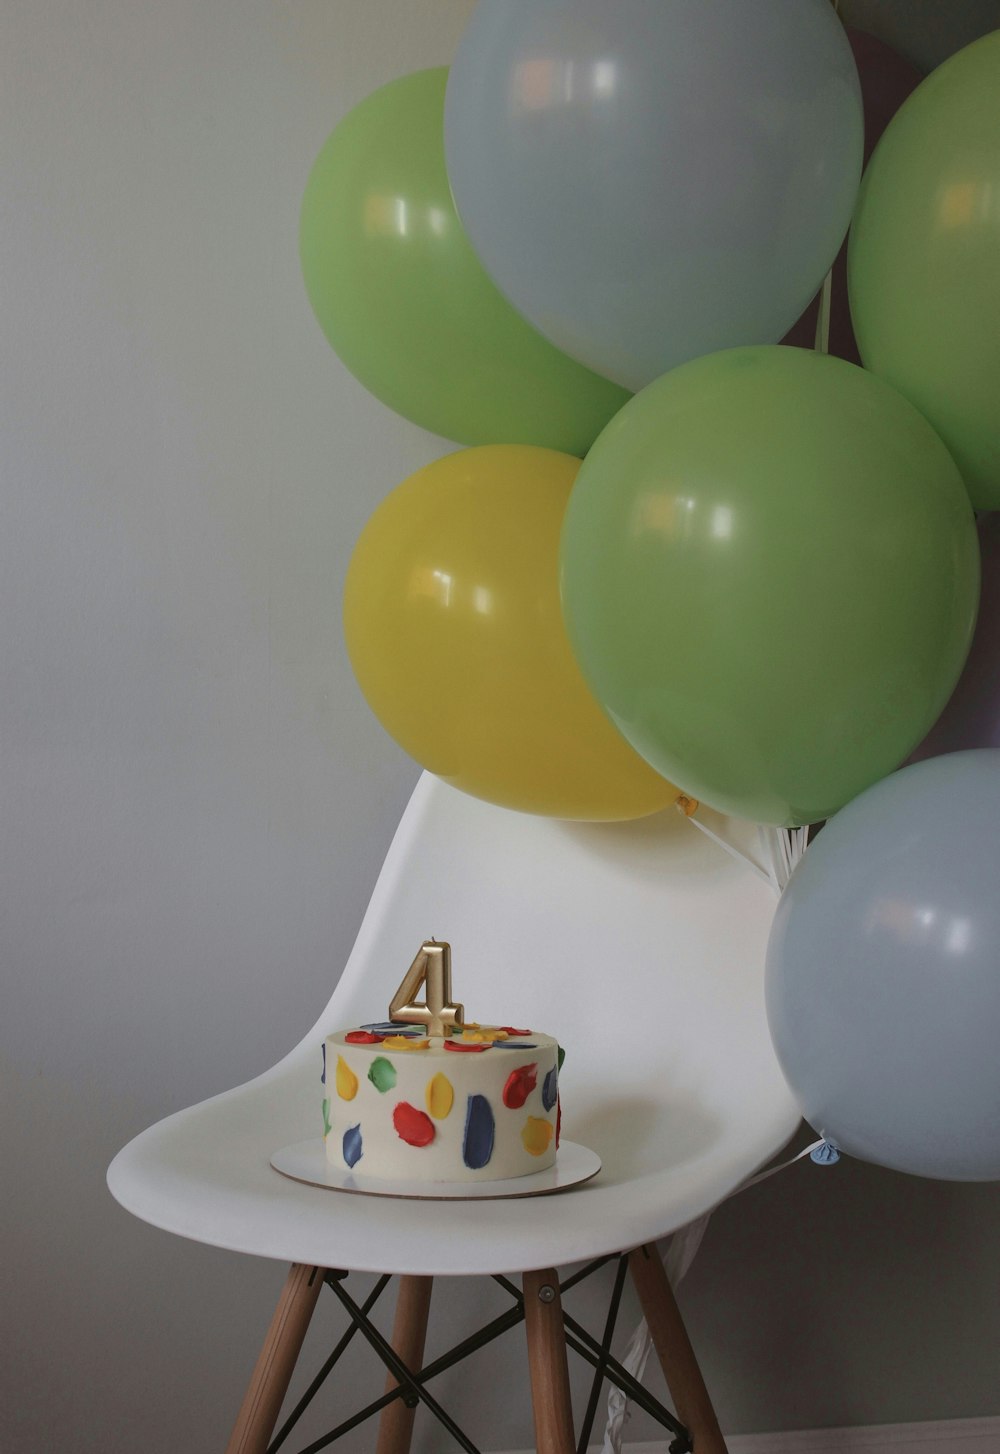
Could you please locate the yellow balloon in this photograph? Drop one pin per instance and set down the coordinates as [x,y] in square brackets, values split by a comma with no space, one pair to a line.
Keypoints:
[455,634]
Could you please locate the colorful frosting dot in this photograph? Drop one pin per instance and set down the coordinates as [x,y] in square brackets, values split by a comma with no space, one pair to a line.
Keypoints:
[405,1042]
[509,1030]
[353,1148]
[347,1081]
[478,1033]
[327,1128]
[468,1046]
[480,1129]
[323,1075]
[519,1085]
[412,1126]
[382,1074]
[561,1056]
[440,1096]
[550,1089]
[362,1037]
[536,1135]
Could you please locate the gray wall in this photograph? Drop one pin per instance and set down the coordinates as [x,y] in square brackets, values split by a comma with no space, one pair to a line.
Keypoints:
[195,800]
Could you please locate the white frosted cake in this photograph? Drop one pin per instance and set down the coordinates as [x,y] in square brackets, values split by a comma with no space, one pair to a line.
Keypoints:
[478,1104]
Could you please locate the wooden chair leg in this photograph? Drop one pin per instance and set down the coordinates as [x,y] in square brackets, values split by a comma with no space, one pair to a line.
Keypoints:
[673,1348]
[550,1395]
[395,1425]
[272,1374]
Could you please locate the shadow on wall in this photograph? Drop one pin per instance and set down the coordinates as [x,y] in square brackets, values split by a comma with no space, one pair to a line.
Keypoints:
[925,31]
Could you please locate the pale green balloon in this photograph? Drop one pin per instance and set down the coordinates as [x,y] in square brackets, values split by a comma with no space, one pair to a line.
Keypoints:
[770,576]
[405,302]
[924,260]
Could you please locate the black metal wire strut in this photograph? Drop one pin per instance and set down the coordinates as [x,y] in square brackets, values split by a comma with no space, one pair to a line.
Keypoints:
[410,1385]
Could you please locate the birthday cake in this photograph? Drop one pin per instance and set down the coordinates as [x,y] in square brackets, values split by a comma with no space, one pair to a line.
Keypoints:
[423,1096]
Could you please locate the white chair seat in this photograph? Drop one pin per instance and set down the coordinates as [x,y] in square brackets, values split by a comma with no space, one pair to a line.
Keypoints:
[641,946]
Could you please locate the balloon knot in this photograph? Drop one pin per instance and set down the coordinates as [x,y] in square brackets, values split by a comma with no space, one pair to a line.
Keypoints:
[687,806]
[825,1154]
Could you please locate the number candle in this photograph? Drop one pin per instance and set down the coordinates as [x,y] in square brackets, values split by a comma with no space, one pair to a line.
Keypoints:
[432,969]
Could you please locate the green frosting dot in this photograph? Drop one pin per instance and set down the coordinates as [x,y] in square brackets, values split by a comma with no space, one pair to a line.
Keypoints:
[382,1073]
[562,1055]
[326,1119]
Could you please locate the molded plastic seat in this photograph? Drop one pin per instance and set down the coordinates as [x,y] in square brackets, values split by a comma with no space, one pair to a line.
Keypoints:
[640,945]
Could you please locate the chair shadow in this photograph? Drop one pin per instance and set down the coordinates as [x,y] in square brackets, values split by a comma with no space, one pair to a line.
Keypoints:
[648,847]
[638,1136]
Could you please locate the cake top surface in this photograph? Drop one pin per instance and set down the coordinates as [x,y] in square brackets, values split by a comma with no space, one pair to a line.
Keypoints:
[471,1038]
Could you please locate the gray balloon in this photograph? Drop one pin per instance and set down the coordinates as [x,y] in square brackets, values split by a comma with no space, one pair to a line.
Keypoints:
[651,180]
[883,972]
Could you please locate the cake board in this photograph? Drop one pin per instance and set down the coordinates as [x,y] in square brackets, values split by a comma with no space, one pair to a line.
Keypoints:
[306,1161]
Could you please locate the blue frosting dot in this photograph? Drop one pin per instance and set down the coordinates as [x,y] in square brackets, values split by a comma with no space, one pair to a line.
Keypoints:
[323,1076]
[353,1149]
[477,1147]
[550,1089]
[514,1045]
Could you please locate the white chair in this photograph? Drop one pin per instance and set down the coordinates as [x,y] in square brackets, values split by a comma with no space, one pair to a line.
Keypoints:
[641,946]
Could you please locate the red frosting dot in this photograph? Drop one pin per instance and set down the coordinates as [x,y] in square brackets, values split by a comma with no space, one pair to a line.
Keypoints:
[558,1122]
[412,1126]
[520,1084]
[509,1030]
[362,1037]
[468,1047]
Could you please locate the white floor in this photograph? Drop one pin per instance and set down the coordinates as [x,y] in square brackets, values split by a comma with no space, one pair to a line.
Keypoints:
[956,1436]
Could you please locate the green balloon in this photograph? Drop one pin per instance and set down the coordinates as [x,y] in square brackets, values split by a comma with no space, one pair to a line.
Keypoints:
[405,302]
[770,575]
[924,260]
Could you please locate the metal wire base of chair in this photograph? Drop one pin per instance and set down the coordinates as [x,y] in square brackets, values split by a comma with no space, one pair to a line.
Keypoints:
[411,1385]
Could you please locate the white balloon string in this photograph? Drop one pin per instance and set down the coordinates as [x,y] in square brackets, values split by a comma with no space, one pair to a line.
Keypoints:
[634,1361]
[768,852]
[782,848]
[809,1150]
[777,857]
[678,1258]
[731,849]
[822,344]
[683,1249]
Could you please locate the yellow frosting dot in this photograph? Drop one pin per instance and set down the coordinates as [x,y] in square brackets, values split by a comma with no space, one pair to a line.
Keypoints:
[405,1042]
[440,1096]
[536,1135]
[347,1081]
[479,1034]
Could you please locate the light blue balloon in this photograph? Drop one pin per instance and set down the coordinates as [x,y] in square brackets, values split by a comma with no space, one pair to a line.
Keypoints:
[650,181]
[883,972]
